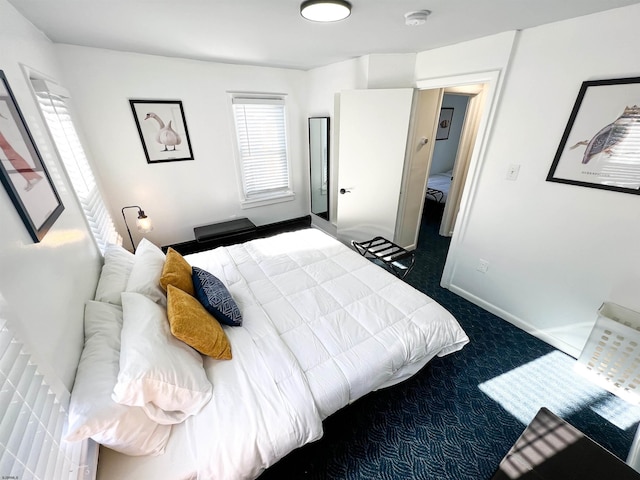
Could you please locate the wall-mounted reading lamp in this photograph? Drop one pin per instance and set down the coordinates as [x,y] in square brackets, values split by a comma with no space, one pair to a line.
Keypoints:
[143,223]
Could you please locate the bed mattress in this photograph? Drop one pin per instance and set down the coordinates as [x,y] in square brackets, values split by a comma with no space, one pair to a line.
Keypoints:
[441,182]
[322,326]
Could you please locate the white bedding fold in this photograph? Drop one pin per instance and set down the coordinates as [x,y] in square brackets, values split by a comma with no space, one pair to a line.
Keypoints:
[261,407]
[256,415]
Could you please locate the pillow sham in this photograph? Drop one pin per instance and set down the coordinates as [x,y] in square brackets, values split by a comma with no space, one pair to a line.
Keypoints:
[92,412]
[114,275]
[215,298]
[146,272]
[177,272]
[192,324]
[158,372]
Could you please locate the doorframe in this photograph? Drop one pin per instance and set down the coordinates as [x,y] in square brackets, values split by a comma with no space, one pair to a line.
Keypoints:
[493,80]
[475,106]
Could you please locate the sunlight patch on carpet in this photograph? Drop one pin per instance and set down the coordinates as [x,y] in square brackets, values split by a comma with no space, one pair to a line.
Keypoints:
[551,381]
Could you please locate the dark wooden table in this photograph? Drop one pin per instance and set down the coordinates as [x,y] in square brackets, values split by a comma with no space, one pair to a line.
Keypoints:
[552,449]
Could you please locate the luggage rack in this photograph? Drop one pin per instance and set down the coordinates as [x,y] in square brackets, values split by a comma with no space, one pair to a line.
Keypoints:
[395,258]
[436,195]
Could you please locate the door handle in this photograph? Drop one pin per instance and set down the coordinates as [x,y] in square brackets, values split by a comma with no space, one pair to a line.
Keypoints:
[344,190]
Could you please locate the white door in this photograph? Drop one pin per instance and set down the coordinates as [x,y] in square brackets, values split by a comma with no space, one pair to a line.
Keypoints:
[417,164]
[373,130]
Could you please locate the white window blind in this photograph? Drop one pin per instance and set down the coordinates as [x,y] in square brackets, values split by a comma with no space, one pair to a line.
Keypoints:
[52,101]
[262,146]
[33,420]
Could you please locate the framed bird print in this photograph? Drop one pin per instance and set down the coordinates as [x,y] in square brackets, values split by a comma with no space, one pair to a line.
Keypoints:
[600,147]
[163,130]
[22,171]
[444,123]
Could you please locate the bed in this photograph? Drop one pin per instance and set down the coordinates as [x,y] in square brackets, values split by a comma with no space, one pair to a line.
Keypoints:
[321,327]
[438,185]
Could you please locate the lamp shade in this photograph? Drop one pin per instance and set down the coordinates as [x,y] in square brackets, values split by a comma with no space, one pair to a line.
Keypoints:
[325,10]
[144,224]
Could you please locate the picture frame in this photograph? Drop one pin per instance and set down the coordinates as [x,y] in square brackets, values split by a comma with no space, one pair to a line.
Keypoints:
[444,123]
[22,171]
[599,147]
[163,132]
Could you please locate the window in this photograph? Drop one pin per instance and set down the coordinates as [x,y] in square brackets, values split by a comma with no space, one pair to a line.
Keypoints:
[262,149]
[52,100]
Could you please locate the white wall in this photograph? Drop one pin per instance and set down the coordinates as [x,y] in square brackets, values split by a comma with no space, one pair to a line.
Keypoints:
[488,53]
[556,252]
[178,196]
[391,70]
[43,286]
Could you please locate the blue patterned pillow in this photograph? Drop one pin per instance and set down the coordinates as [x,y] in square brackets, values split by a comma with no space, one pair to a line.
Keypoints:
[215,298]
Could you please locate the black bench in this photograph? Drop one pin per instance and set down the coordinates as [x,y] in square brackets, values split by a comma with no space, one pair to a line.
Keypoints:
[221,230]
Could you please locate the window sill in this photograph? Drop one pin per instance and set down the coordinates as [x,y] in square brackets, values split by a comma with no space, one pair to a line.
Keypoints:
[262,201]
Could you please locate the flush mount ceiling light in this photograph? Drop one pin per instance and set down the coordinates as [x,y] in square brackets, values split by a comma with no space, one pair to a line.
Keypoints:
[325,10]
[416,18]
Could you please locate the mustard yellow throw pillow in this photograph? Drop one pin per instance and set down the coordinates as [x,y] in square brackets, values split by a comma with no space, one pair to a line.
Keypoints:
[192,324]
[177,272]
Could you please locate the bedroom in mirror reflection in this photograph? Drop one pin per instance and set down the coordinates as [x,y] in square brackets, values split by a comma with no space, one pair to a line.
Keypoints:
[319,166]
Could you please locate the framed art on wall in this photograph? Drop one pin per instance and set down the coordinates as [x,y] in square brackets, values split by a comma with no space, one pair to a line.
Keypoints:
[22,172]
[600,147]
[444,123]
[163,130]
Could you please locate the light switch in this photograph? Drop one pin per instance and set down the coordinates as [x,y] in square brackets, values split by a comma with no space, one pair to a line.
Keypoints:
[512,172]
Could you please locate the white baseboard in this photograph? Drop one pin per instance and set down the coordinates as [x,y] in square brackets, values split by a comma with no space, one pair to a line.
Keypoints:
[518,322]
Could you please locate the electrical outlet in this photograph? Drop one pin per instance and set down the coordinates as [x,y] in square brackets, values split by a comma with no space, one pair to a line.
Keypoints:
[512,172]
[483,266]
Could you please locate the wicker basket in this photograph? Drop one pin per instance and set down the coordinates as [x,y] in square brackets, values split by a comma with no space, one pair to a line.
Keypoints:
[611,355]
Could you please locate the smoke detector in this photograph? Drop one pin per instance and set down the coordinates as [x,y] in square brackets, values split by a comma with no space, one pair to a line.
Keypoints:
[416,18]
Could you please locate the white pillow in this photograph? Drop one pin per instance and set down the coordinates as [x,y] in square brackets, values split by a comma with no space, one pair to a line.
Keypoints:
[146,272]
[115,274]
[92,412]
[157,371]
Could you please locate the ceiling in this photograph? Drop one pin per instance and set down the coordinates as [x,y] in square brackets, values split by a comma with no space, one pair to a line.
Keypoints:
[272,32]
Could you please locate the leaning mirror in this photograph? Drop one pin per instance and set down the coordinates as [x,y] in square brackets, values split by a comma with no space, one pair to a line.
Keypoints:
[319,165]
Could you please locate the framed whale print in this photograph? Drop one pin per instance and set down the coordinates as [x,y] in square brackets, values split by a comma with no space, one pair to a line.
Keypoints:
[600,147]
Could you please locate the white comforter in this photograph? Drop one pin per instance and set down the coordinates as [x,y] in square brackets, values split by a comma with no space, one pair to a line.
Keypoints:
[322,327]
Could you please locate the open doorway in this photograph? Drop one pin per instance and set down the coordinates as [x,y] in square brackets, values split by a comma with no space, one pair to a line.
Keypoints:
[385,143]
[459,119]
[451,120]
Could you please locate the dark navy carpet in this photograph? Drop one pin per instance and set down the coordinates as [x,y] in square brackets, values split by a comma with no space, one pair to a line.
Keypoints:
[458,416]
